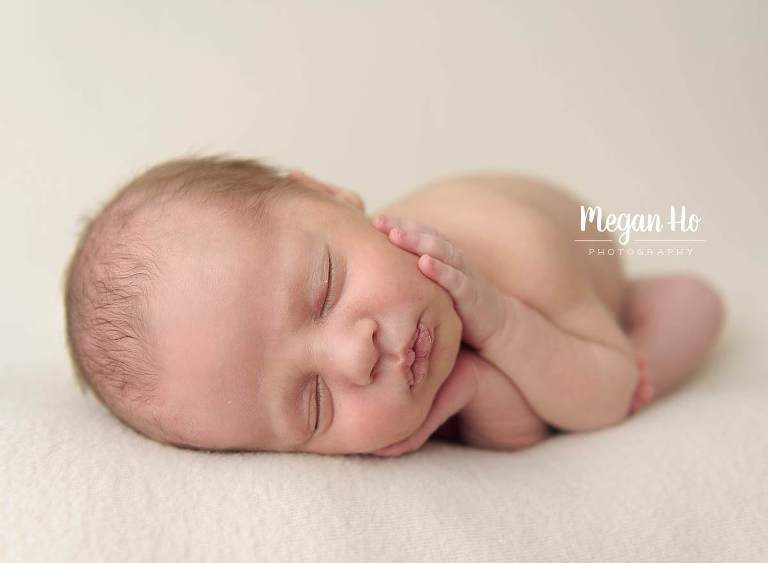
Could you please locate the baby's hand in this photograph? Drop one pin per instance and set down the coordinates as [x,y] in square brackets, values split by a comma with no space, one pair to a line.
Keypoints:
[481,307]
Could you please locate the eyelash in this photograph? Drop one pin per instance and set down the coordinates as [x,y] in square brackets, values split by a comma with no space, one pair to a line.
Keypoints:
[319,396]
[329,282]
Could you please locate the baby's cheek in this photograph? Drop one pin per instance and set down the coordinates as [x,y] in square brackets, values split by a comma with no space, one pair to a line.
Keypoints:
[387,423]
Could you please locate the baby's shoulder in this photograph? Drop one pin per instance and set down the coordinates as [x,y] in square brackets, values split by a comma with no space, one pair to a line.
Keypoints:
[516,229]
[492,215]
[468,208]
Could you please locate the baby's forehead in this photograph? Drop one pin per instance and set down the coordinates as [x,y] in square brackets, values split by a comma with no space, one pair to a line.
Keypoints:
[213,262]
[216,257]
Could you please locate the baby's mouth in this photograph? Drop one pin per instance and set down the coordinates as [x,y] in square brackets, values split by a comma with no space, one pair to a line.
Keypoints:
[418,356]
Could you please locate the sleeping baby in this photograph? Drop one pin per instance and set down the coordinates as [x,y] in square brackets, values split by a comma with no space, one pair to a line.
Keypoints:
[226,304]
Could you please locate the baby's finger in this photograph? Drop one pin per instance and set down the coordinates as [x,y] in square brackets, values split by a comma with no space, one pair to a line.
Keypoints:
[455,281]
[381,223]
[386,223]
[426,243]
[394,449]
[384,452]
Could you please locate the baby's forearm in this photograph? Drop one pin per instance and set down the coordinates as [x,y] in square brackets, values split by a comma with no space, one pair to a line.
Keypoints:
[571,383]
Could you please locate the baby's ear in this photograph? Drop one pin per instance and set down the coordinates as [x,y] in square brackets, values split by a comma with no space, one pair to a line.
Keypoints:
[346,196]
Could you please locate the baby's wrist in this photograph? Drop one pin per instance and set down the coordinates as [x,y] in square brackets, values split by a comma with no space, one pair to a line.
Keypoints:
[501,344]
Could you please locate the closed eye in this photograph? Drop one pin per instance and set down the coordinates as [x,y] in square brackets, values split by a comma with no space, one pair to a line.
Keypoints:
[319,397]
[329,285]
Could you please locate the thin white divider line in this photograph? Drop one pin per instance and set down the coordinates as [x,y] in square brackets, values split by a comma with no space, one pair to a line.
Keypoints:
[640,240]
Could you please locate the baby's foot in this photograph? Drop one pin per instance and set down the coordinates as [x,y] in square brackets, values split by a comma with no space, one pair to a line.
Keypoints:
[645,391]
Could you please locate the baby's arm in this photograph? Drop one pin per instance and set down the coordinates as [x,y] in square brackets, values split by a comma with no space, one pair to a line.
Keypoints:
[491,411]
[498,416]
[458,390]
[572,383]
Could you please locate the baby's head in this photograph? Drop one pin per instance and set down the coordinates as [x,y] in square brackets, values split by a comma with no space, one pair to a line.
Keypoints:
[197,313]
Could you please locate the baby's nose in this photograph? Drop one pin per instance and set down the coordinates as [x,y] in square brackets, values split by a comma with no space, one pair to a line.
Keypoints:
[358,366]
[355,354]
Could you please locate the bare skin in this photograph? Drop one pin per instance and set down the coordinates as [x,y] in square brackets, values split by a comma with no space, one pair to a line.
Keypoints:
[254,361]
[519,232]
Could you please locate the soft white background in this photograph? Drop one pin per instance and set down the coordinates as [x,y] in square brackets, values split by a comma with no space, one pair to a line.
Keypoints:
[634,105]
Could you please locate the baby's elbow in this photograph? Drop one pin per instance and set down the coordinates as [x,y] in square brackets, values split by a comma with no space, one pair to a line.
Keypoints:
[613,391]
[594,420]
[603,418]
[607,406]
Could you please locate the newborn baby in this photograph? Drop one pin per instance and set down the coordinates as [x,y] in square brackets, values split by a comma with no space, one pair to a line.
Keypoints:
[223,304]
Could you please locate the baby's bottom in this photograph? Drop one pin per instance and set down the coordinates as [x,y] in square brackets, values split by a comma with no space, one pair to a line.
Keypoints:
[672,321]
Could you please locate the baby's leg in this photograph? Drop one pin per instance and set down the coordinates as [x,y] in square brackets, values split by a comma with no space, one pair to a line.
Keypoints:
[672,321]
